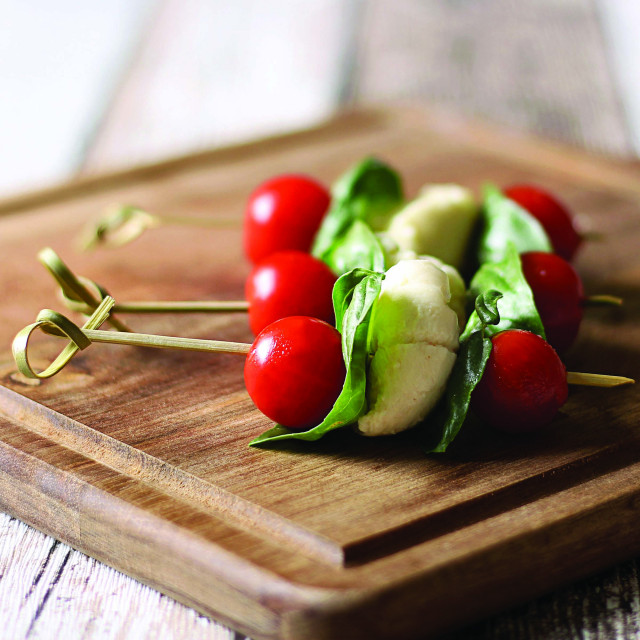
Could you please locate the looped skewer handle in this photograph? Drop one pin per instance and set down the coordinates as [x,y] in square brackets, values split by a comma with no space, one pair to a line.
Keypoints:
[78,294]
[56,324]
[117,227]
[83,295]
[122,224]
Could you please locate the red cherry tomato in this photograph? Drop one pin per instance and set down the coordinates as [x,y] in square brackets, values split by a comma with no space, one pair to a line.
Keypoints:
[558,294]
[289,283]
[283,213]
[524,383]
[552,215]
[294,371]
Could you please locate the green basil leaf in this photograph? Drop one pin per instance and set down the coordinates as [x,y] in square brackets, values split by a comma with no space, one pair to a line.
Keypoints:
[517,308]
[467,371]
[487,307]
[371,191]
[358,247]
[343,291]
[354,296]
[466,374]
[504,222]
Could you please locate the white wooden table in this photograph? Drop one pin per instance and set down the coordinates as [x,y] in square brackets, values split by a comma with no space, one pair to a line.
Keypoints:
[97,85]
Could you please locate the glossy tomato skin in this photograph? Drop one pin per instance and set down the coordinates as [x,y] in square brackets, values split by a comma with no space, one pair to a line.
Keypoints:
[524,383]
[558,294]
[289,283]
[294,371]
[283,213]
[552,215]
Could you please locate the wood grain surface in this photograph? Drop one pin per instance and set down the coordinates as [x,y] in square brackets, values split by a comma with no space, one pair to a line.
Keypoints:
[140,459]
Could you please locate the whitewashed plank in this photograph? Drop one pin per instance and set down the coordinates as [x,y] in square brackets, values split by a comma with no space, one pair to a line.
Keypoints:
[214,72]
[603,607]
[58,65]
[620,21]
[49,591]
[538,65]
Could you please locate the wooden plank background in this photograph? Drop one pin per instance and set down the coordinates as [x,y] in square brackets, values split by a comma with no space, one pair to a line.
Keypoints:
[90,86]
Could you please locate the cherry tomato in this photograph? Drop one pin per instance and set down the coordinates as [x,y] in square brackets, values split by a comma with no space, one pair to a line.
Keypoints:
[524,383]
[558,294]
[283,213]
[552,215]
[289,283]
[294,371]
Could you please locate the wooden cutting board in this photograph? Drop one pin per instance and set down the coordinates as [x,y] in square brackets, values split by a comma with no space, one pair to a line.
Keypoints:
[140,458]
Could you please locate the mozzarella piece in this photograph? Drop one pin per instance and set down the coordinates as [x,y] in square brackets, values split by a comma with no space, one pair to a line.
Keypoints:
[405,382]
[414,334]
[457,287]
[413,306]
[437,223]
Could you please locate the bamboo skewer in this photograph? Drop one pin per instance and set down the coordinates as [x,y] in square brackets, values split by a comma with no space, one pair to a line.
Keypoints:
[167,342]
[83,295]
[597,379]
[187,306]
[56,324]
[602,300]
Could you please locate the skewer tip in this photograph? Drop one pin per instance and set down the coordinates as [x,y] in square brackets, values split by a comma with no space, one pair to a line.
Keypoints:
[597,379]
[602,301]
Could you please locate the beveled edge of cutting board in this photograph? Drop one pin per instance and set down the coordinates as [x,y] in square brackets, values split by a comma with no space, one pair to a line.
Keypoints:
[545,539]
[240,513]
[173,481]
[166,556]
[606,171]
[81,185]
